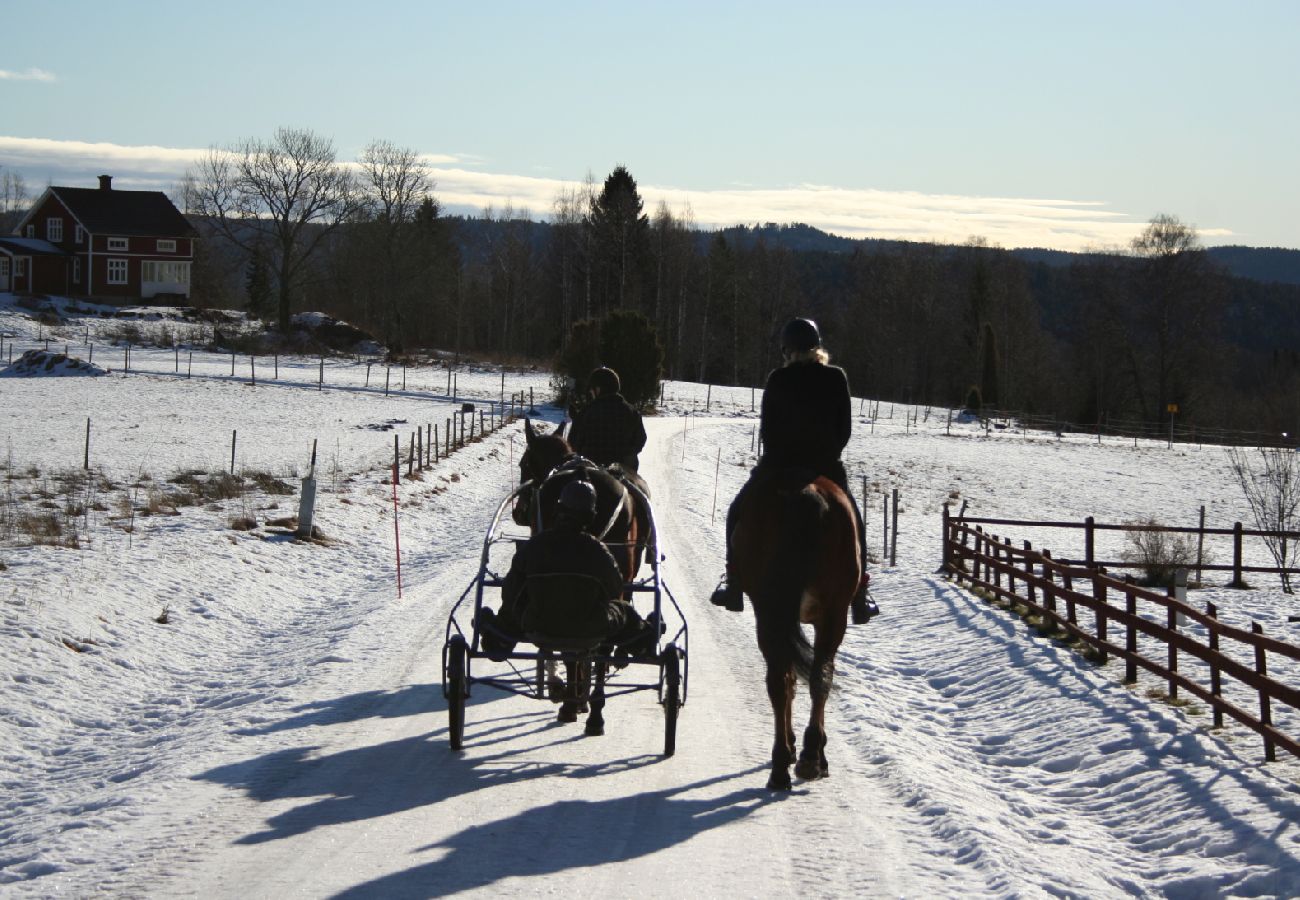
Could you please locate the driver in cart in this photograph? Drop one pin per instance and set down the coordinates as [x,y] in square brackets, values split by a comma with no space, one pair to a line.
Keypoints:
[541,596]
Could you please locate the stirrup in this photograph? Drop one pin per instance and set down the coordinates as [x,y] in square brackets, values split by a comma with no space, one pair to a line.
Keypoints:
[729,596]
[863,608]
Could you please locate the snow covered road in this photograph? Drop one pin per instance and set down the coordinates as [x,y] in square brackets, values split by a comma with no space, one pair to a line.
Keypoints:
[968,757]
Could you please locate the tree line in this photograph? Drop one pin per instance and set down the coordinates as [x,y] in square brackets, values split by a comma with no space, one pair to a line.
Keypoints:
[1113,336]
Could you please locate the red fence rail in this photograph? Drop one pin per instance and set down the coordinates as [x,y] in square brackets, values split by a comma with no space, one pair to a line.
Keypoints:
[1227,666]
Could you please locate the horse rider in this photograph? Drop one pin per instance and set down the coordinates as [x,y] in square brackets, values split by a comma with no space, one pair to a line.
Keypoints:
[806,423]
[567,547]
[608,430]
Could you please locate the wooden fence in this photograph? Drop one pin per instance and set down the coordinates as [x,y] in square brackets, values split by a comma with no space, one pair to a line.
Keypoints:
[1090,527]
[1157,630]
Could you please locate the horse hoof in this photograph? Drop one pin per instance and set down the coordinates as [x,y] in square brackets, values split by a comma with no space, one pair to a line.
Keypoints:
[594,729]
[568,713]
[808,770]
[779,781]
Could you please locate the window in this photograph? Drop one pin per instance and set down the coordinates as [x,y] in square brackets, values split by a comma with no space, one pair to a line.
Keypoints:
[118,244]
[54,230]
[166,246]
[20,267]
[31,231]
[117,271]
[167,272]
[76,270]
[80,234]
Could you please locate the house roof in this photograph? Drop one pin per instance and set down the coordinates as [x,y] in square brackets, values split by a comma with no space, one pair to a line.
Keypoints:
[29,247]
[124,212]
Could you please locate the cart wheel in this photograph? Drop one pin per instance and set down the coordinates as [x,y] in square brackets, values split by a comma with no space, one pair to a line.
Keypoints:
[456,691]
[671,661]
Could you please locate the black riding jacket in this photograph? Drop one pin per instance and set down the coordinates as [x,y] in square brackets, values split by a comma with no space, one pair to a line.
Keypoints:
[607,431]
[807,416]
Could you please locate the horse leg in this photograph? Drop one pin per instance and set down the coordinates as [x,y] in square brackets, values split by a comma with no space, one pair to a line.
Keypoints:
[812,759]
[575,700]
[596,721]
[780,690]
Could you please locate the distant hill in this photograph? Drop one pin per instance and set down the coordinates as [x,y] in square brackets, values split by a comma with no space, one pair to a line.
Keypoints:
[1260,263]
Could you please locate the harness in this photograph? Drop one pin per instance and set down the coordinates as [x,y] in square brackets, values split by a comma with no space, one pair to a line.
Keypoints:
[575,463]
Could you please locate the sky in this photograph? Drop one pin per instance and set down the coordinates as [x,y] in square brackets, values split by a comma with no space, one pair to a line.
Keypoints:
[1026,123]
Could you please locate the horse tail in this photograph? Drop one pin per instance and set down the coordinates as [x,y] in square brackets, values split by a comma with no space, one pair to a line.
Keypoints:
[802,523]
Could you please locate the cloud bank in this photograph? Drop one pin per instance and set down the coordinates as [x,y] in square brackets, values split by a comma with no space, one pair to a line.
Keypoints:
[854,213]
[28,75]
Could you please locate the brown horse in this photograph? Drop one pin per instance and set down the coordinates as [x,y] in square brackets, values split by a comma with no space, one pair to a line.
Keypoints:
[795,553]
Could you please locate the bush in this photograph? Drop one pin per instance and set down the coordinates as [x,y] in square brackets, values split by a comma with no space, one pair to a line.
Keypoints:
[626,342]
[1158,553]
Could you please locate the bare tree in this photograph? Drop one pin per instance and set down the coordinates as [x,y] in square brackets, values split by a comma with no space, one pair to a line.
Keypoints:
[13,199]
[291,189]
[1273,492]
[395,183]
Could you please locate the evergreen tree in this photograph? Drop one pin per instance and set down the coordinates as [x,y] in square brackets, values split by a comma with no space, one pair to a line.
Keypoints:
[620,240]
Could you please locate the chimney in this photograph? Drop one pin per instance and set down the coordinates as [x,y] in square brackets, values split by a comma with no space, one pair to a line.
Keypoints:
[105,182]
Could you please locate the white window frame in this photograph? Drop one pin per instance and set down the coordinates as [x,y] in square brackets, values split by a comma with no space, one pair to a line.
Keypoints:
[119,243]
[31,231]
[166,245]
[119,271]
[76,270]
[54,230]
[79,234]
[20,267]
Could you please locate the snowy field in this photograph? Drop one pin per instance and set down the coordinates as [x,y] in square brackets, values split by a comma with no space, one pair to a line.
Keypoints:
[281,732]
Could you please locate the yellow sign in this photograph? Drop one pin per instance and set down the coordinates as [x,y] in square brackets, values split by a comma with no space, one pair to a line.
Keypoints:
[1172,407]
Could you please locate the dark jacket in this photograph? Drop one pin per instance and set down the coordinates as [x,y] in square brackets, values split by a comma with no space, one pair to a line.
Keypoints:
[563,549]
[607,431]
[807,416]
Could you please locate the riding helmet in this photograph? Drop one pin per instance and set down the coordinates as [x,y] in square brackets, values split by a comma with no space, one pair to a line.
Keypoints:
[579,500]
[604,380]
[800,336]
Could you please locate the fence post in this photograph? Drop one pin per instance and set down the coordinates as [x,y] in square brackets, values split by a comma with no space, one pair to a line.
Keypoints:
[893,538]
[1200,547]
[1131,638]
[86,461]
[397,460]
[1099,594]
[945,555]
[1067,583]
[1089,541]
[1030,591]
[320,384]
[388,376]
[233,435]
[1216,680]
[447,452]
[419,446]
[995,557]
[1171,622]
[1237,580]
[410,457]
[1049,587]
[435,443]
[1265,704]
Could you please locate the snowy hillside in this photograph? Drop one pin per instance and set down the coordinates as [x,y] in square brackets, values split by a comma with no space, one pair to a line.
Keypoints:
[197,704]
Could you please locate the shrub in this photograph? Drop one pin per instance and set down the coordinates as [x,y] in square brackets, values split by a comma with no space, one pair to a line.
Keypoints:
[1158,553]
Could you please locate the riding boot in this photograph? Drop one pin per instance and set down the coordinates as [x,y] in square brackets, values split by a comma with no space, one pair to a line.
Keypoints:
[728,594]
[862,606]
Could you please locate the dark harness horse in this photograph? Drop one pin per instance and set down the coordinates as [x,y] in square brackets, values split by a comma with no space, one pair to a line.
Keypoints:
[548,464]
[795,553]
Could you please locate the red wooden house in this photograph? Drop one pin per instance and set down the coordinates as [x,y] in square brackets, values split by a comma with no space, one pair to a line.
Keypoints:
[101,243]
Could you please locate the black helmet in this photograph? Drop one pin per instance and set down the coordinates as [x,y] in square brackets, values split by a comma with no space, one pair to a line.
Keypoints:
[800,335]
[604,380]
[578,499]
